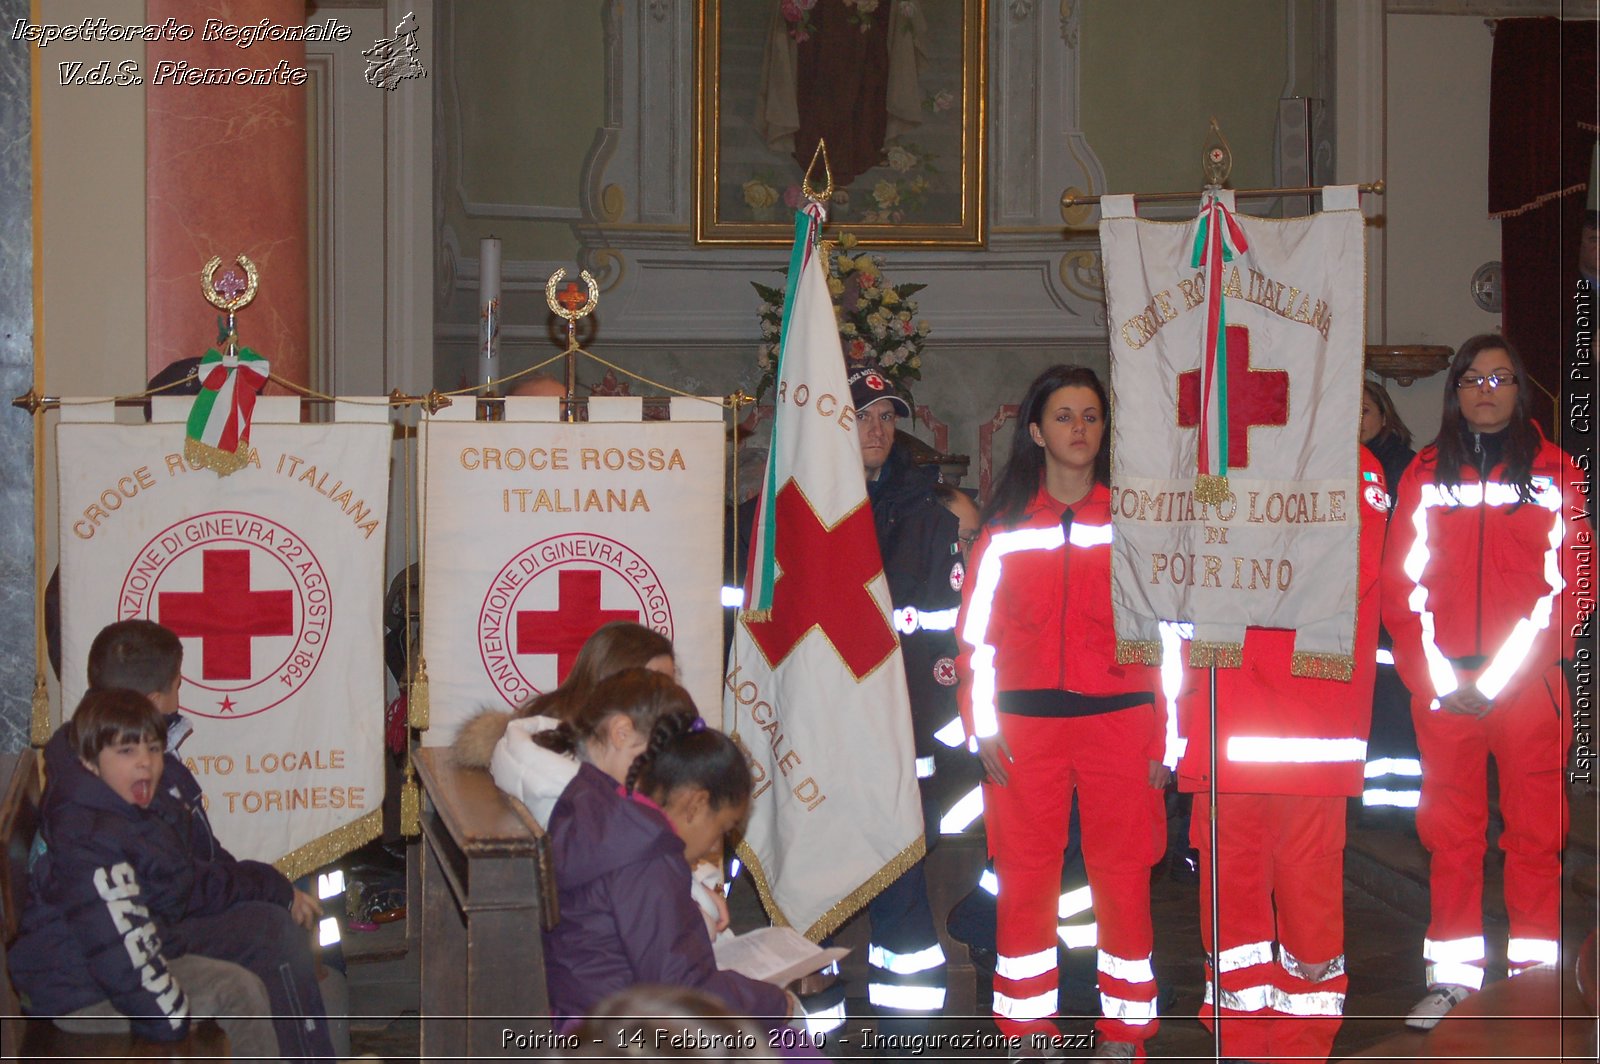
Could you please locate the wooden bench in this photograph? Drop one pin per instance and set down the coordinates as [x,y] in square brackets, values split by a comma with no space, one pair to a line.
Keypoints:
[31,1039]
[487,892]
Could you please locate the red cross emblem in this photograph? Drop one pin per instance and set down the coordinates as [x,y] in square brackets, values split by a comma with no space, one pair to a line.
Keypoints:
[823,585]
[875,382]
[563,630]
[225,615]
[572,297]
[1255,397]
[944,672]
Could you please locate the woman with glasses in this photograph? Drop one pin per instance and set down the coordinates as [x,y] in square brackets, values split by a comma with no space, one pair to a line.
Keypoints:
[1482,615]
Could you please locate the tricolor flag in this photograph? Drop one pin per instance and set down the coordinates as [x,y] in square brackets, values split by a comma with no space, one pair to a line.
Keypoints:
[815,690]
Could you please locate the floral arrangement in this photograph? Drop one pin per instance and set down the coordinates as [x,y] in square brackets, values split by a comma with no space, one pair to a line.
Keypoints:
[878,324]
[797,13]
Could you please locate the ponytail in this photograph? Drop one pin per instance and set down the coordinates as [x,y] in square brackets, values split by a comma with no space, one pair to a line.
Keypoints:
[648,699]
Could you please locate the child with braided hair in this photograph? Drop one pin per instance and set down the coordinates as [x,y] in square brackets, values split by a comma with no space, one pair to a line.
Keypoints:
[631,789]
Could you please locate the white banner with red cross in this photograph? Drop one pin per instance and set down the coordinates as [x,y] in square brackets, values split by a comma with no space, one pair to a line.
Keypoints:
[1236,355]
[273,579]
[537,531]
[816,689]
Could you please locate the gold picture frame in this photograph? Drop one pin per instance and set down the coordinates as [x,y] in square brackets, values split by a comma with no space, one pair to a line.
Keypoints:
[922,186]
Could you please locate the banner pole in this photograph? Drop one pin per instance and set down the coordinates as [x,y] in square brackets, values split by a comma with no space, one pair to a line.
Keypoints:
[1216,923]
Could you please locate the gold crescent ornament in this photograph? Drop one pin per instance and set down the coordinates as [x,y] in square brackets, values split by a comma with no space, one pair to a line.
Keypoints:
[230,292]
[567,307]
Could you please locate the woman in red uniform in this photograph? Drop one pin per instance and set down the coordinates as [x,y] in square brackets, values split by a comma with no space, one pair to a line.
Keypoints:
[1049,710]
[1481,615]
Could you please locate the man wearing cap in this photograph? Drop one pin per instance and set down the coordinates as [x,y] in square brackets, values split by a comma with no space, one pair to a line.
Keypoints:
[920,542]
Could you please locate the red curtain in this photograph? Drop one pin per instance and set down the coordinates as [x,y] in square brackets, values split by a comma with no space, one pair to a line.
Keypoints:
[1542,128]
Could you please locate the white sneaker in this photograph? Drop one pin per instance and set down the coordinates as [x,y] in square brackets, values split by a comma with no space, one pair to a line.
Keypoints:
[1435,1005]
[1115,1051]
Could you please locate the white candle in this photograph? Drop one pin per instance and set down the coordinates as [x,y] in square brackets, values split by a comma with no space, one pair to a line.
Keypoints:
[488,310]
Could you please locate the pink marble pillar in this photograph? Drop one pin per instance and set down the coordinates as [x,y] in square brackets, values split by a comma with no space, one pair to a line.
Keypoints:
[225,174]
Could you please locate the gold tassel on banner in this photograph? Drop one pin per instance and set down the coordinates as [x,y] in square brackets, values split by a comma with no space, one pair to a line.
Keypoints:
[417,696]
[1210,488]
[1322,666]
[410,805]
[756,616]
[40,732]
[1220,655]
[1140,651]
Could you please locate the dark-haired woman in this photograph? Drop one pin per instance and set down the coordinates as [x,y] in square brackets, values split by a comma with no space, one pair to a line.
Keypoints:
[1384,433]
[1050,711]
[1481,617]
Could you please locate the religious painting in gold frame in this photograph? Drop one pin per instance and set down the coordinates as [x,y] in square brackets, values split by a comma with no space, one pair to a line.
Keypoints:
[895,87]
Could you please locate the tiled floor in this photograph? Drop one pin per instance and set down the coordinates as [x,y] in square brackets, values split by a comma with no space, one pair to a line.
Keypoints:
[1385,917]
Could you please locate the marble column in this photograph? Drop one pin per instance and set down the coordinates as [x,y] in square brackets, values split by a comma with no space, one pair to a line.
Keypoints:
[225,174]
[17,582]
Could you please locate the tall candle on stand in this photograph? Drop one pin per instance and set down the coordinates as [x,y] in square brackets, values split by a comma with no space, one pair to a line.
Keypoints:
[488,310]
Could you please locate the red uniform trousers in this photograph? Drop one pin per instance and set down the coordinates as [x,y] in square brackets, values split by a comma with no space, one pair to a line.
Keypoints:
[1283,850]
[1528,732]
[1123,825]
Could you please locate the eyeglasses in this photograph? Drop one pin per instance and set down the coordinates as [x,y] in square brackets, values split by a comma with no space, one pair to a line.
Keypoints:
[1468,381]
[967,538]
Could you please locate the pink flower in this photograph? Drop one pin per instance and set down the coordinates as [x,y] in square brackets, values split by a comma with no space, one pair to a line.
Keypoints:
[791,11]
[792,196]
[858,349]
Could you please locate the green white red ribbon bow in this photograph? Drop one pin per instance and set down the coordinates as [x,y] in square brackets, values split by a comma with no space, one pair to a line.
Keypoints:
[218,434]
[1217,240]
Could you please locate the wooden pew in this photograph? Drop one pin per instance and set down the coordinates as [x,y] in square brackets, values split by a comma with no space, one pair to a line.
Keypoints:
[33,1039]
[487,892]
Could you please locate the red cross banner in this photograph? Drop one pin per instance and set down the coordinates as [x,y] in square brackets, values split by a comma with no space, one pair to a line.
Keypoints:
[537,531]
[273,579]
[815,691]
[1236,363]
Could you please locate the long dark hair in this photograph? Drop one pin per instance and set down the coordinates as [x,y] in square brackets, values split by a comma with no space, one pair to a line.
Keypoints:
[644,696]
[682,754]
[1391,424]
[1454,443]
[613,647]
[1024,469]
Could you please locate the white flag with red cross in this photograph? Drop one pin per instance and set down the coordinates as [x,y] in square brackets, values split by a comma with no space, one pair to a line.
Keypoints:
[815,691]
[1236,355]
[273,579]
[537,531]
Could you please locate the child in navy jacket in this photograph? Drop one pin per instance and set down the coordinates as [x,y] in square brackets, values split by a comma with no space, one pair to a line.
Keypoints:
[118,895]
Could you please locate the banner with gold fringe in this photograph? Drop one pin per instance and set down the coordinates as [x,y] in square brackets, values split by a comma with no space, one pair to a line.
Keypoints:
[273,579]
[1236,354]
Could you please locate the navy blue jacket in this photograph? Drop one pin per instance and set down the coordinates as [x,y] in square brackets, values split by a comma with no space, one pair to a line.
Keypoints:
[107,879]
[626,913]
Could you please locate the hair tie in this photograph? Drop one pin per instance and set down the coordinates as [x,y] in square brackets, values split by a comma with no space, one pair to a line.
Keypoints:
[697,725]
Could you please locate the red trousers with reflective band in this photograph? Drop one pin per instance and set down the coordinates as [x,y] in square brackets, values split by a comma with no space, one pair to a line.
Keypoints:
[1527,732]
[1124,834]
[1283,851]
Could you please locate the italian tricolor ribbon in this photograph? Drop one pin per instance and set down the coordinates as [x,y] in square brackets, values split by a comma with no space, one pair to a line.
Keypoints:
[218,434]
[1217,240]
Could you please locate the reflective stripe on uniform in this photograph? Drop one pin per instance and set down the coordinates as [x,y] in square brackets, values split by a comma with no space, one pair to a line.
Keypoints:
[925,768]
[1247,999]
[908,620]
[1459,972]
[1025,967]
[1301,970]
[1310,1003]
[1454,950]
[1273,749]
[963,813]
[1172,636]
[952,734]
[1079,936]
[1522,951]
[823,1021]
[1377,796]
[1393,766]
[909,998]
[1073,902]
[1127,1010]
[984,720]
[905,963]
[1029,1008]
[1251,953]
[1136,970]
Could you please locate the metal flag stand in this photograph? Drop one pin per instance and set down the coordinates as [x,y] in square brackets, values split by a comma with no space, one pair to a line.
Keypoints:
[1216,165]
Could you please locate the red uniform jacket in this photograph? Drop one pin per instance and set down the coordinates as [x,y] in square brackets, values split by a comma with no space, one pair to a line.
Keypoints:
[1278,733]
[1036,616]
[1473,586]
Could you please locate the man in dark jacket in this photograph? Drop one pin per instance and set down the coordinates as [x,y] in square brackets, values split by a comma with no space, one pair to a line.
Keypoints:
[919,540]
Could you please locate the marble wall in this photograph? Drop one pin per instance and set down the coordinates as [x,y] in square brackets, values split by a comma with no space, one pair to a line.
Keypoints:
[17,584]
